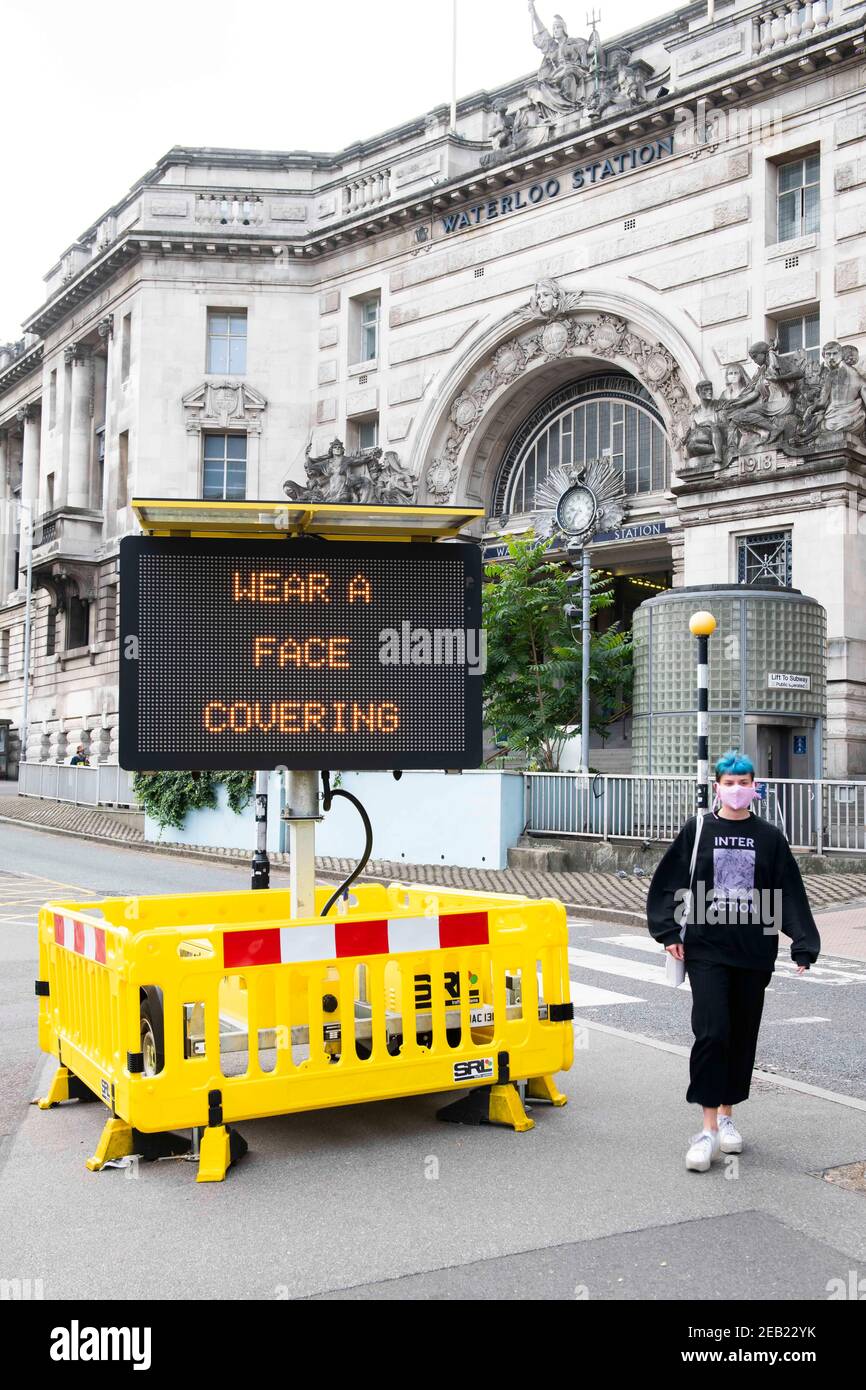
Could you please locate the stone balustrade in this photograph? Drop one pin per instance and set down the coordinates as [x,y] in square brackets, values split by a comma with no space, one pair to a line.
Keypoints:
[230,210]
[366,191]
[781,25]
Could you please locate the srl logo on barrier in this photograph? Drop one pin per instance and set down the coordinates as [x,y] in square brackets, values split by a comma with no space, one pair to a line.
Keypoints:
[476,1069]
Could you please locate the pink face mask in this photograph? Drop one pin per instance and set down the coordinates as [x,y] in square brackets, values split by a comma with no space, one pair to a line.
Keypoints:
[737,798]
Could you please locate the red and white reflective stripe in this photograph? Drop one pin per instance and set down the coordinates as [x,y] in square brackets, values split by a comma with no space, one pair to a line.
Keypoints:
[81,937]
[336,940]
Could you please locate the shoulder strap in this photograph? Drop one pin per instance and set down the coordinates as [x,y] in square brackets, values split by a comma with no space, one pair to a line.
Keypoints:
[689,904]
[698,828]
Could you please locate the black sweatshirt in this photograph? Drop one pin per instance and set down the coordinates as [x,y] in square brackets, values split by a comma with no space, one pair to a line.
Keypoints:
[747,888]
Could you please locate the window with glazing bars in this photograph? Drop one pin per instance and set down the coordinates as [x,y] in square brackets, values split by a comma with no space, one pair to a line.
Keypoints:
[224,475]
[632,438]
[799,198]
[227,342]
[803,332]
[765,560]
[370,329]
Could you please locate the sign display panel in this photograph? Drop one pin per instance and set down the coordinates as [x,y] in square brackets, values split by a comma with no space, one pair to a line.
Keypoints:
[299,654]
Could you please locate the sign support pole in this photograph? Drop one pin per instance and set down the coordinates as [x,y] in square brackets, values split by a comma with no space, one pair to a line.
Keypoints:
[261,863]
[302,813]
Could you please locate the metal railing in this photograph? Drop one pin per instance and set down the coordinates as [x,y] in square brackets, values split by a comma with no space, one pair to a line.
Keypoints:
[822,816]
[103,785]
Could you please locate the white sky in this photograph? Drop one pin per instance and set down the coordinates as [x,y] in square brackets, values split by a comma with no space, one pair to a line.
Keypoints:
[94,94]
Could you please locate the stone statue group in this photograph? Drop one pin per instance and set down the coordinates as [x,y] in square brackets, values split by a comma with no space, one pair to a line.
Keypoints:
[791,403]
[366,477]
[578,78]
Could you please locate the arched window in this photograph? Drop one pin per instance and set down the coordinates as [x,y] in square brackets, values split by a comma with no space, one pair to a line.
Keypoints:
[611,414]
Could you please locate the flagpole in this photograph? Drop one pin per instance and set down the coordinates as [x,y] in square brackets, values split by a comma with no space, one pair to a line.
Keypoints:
[454,68]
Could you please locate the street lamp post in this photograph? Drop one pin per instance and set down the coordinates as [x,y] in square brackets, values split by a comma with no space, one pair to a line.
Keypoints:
[702,626]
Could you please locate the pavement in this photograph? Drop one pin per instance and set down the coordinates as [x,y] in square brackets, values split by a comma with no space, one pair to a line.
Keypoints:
[382,1202]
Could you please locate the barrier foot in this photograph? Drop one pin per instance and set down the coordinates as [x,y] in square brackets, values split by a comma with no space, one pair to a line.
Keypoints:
[506,1108]
[488,1105]
[115,1141]
[542,1089]
[58,1091]
[65,1085]
[221,1146]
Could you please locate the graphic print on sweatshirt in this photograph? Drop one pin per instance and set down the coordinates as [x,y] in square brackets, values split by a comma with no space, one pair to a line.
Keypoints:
[734,871]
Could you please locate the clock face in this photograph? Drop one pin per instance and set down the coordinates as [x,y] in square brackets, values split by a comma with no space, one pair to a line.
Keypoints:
[576,510]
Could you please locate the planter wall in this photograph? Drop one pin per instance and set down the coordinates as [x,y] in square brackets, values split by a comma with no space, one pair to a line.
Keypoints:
[470,820]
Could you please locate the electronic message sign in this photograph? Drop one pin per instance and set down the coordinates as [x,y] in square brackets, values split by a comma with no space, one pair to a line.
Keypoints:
[300,654]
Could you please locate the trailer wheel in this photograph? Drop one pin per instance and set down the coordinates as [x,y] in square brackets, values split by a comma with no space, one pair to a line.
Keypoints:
[152,1031]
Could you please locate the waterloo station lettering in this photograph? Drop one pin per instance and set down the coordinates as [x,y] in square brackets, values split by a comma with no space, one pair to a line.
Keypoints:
[639,157]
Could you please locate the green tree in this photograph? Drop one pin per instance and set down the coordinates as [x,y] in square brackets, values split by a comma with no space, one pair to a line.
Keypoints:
[532,689]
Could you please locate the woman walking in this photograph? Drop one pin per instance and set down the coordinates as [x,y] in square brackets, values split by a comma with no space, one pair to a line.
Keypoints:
[735,890]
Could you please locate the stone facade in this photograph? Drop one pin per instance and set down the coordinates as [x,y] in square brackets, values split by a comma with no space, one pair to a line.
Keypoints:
[614,217]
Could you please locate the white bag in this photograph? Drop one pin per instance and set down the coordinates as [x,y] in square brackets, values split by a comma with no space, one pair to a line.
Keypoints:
[675,970]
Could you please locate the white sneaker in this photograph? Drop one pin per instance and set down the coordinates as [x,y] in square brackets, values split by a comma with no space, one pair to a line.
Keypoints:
[704,1148]
[730,1138]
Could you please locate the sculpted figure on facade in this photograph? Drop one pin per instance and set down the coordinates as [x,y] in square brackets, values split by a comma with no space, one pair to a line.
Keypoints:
[550,300]
[621,84]
[566,73]
[766,407]
[843,394]
[364,477]
[706,438]
[809,408]
[851,358]
[325,476]
[792,404]
[394,485]
[735,387]
[578,82]
[515,132]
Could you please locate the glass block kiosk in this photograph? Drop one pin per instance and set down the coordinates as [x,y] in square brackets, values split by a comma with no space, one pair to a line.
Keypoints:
[767,680]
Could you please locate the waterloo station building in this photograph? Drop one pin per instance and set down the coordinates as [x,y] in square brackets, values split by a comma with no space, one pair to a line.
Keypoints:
[546,284]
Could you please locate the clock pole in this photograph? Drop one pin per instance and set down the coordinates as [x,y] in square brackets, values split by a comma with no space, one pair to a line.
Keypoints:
[578,554]
[584,674]
[579,514]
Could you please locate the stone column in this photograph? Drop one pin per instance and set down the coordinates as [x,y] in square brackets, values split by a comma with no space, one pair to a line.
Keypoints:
[80,428]
[31,423]
[9,533]
[678,563]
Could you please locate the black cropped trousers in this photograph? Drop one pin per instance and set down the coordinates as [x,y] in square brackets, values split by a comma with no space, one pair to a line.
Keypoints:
[727,1004]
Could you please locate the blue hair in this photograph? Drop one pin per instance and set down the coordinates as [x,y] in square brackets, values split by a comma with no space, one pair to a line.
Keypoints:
[736,764]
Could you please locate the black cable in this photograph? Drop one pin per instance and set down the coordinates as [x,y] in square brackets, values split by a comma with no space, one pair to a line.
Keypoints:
[327,799]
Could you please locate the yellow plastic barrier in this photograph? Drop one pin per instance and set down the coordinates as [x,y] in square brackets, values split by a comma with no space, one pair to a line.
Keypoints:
[195,1012]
